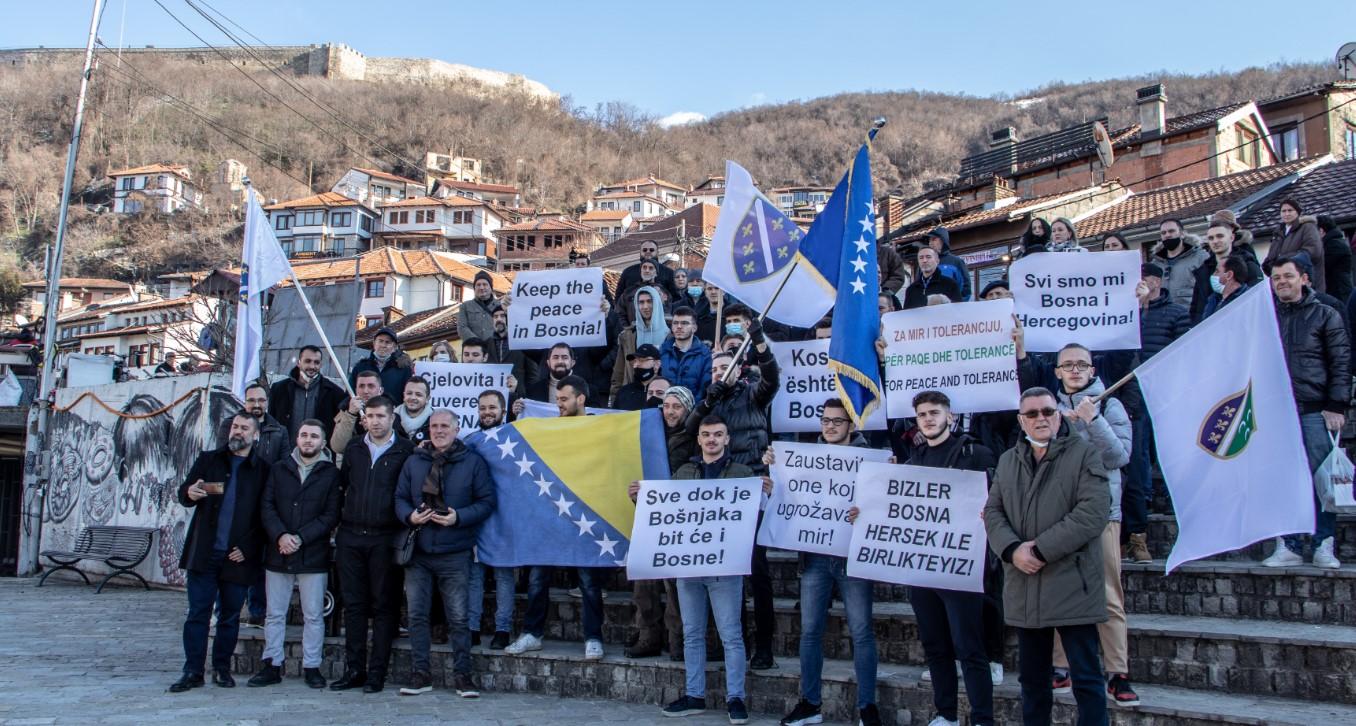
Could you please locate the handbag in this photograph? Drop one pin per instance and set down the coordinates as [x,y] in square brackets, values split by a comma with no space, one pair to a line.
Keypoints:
[1333,481]
[404,546]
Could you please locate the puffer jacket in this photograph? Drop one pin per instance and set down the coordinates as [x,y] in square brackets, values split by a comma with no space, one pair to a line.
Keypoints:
[745,410]
[329,400]
[690,369]
[1207,269]
[397,370]
[1303,236]
[308,508]
[1110,434]
[1061,504]
[1337,265]
[1317,352]
[1179,273]
[962,272]
[467,489]
[1161,322]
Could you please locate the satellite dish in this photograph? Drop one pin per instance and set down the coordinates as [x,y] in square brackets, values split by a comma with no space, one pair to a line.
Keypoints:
[1346,61]
[1103,141]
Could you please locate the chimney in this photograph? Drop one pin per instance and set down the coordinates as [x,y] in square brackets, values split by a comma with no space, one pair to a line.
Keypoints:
[1006,136]
[1153,106]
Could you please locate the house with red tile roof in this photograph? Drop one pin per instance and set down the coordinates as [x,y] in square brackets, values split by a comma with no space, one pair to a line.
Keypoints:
[665,192]
[375,187]
[544,244]
[450,224]
[328,224]
[686,236]
[160,188]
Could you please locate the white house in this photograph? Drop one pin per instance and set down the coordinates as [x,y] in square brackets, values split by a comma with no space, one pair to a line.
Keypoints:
[374,187]
[328,223]
[450,224]
[711,191]
[801,201]
[501,194]
[75,293]
[162,188]
[610,223]
[666,192]
[140,332]
[641,205]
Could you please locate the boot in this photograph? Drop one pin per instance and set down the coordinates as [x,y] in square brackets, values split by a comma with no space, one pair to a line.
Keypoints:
[267,676]
[1139,548]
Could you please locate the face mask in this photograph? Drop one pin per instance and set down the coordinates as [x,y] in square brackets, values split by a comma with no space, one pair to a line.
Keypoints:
[442,358]
[734,328]
[1216,285]
[644,374]
[694,290]
[1172,244]
[653,402]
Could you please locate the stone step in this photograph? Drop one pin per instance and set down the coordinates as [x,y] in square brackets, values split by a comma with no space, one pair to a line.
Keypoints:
[902,698]
[1241,589]
[1163,533]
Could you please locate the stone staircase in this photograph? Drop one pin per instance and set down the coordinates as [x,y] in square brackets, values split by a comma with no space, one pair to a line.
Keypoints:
[1220,641]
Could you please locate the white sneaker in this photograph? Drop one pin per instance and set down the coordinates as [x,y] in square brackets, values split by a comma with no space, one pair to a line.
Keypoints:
[996,673]
[939,721]
[593,650]
[1323,556]
[524,643]
[1282,557]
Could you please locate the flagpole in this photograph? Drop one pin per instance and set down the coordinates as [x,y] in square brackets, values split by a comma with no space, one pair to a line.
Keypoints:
[743,347]
[1113,387]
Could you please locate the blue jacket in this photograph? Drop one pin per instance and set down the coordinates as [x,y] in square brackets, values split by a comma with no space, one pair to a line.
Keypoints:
[950,264]
[467,489]
[690,369]
[394,374]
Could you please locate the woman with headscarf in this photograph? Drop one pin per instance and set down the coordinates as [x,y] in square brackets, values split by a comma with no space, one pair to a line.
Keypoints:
[648,328]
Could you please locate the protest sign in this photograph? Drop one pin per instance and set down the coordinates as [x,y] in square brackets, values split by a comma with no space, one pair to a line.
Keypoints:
[964,350]
[693,528]
[812,487]
[554,306]
[539,409]
[807,383]
[1077,298]
[457,387]
[919,526]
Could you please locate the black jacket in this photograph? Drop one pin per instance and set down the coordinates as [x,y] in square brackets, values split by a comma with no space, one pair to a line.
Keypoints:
[524,368]
[1200,295]
[308,509]
[630,278]
[273,443]
[916,294]
[330,398]
[744,408]
[1160,323]
[369,487]
[246,530]
[1337,264]
[947,257]
[467,488]
[965,452]
[539,390]
[398,369]
[1318,354]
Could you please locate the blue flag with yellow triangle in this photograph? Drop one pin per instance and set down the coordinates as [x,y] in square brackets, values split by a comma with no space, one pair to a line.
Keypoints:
[561,486]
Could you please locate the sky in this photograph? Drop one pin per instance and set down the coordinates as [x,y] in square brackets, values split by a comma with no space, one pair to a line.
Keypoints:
[691,59]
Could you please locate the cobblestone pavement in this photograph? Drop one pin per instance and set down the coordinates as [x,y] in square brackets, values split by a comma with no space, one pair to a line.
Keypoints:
[70,656]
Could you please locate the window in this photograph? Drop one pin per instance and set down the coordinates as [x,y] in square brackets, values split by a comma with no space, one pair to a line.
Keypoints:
[456,292]
[131,206]
[162,182]
[126,182]
[517,266]
[1247,146]
[307,244]
[372,320]
[284,221]
[463,217]
[607,205]
[365,222]
[1351,141]
[376,288]
[635,206]
[398,217]
[287,247]
[311,218]
[1286,142]
[341,219]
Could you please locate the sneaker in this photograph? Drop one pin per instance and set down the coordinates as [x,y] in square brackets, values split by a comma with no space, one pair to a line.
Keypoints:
[1139,549]
[804,713]
[1119,692]
[737,711]
[593,649]
[267,676]
[576,593]
[762,661]
[684,706]
[465,685]
[1323,556]
[869,716]
[996,673]
[939,721]
[419,683]
[524,643]
[500,641]
[1061,682]
[1282,557]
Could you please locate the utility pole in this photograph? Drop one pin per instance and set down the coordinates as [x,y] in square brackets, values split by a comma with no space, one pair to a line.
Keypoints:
[36,457]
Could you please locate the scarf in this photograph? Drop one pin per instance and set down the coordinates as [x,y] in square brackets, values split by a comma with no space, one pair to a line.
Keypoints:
[657,331]
[381,359]
[433,483]
[412,424]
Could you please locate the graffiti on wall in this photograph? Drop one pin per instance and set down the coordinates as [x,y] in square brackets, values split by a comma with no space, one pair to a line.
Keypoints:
[125,468]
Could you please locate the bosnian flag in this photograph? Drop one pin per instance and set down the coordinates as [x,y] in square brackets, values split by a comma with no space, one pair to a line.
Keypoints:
[262,266]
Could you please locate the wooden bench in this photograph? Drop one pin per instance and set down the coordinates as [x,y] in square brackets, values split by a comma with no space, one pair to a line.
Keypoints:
[121,548]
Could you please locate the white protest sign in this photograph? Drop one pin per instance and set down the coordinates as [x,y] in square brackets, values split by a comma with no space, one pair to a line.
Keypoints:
[812,487]
[555,306]
[920,526]
[964,350]
[1071,298]
[457,387]
[693,528]
[806,384]
[538,409]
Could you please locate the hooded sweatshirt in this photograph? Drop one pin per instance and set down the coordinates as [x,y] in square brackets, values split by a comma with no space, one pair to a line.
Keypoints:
[953,266]
[656,330]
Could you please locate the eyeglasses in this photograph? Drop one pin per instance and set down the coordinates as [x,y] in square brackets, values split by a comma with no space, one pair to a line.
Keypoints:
[1036,413]
[1072,366]
[834,421]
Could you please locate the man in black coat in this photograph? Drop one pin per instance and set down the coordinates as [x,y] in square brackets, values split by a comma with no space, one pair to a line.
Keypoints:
[299,509]
[305,393]
[630,277]
[931,281]
[222,550]
[271,446]
[368,578]
[497,351]
[560,364]
[1161,320]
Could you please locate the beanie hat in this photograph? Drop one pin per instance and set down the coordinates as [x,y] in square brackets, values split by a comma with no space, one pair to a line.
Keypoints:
[483,275]
[683,395]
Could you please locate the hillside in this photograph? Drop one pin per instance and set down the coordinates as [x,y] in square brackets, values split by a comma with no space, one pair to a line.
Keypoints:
[152,109]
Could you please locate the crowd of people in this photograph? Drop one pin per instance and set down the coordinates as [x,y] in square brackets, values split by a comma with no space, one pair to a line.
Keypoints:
[378,489]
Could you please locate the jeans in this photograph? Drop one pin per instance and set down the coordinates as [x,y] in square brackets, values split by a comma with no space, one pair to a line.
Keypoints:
[1034,664]
[950,624]
[312,588]
[370,583]
[819,573]
[258,597]
[727,603]
[1317,446]
[503,597]
[450,573]
[206,590]
[1138,479]
[539,600]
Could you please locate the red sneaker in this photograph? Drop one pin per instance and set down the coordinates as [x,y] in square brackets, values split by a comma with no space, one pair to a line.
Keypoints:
[1119,691]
